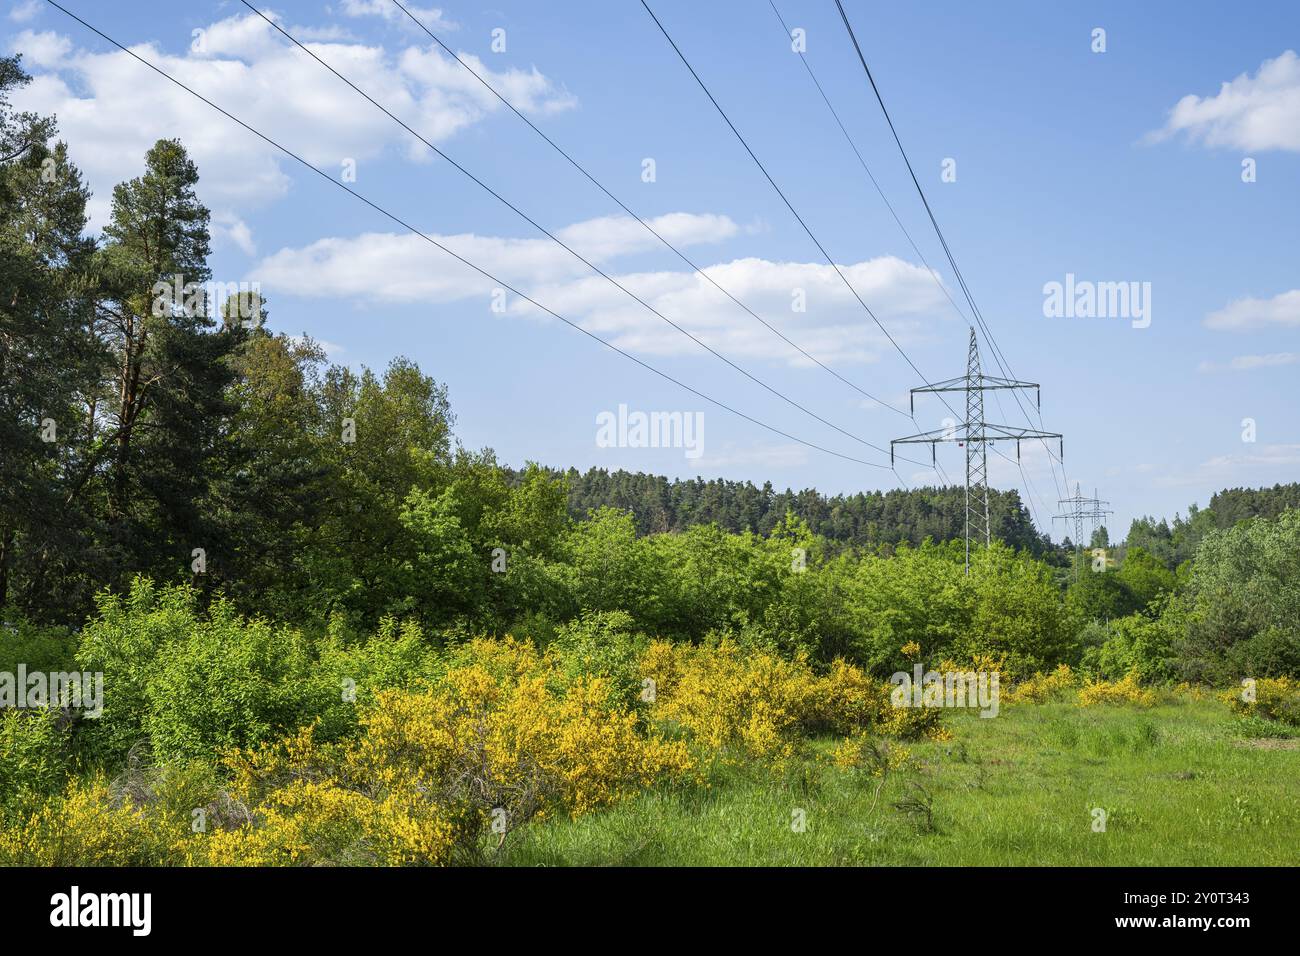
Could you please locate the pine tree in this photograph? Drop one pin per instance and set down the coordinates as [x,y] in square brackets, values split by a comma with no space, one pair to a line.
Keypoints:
[47,356]
[164,399]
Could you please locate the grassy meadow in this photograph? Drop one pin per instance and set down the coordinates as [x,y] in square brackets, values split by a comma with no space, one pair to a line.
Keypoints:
[1182,783]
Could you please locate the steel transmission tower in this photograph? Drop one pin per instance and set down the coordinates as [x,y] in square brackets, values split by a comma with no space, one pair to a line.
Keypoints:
[977,456]
[1078,509]
[975,435]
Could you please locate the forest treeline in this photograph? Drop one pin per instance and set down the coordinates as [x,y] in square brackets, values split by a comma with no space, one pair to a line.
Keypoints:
[872,518]
[866,519]
[1177,542]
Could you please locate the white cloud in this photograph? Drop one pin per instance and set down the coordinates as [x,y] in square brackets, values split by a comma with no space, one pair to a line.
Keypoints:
[414,271]
[227,227]
[1282,309]
[609,236]
[1251,112]
[25,11]
[42,50]
[1246,363]
[398,268]
[833,329]
[528,90]
[431,17]
[111,108]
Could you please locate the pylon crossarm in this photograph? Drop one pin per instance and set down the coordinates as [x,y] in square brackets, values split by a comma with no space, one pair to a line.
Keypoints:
[1000,382]
[983,383]
[935,434]
[947,385]
[1010,431]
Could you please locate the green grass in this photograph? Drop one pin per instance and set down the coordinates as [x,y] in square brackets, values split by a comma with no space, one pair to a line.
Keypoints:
[1179,783]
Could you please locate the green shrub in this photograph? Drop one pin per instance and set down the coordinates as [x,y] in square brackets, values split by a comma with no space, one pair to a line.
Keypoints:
[1243,603]
[124,641]
[350,674]
[228,683]
[37,647]
[603,644]
[34,761]
[1134,644]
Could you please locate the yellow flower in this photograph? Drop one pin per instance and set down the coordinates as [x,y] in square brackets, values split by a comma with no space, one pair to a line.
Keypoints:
[1126,691]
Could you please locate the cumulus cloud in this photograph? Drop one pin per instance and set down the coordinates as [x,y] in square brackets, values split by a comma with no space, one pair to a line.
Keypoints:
[833,328]
[1251,112]
[111,108]
[43,50]
[331,349]
[529,90]
[396,268]
[610,236]
[402,267]
[1280,311]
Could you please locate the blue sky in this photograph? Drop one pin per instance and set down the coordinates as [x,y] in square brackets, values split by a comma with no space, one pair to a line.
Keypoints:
[1115,166]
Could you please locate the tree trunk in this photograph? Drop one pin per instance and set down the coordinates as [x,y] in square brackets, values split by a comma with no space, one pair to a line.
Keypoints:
[6,555]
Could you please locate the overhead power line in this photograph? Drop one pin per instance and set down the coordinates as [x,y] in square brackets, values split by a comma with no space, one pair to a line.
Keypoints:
[560,242]
[803,58]
[763,169]
[622,205]
[1030,491]
[998,355]
[455,255]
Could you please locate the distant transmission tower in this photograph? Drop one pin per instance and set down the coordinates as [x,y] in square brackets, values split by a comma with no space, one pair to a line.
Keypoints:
[975,434]
[1078,509]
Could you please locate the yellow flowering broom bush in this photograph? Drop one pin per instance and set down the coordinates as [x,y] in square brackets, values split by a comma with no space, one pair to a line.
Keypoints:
[861,751]
[741,704]
[1125,691]
[1277,698]
[87,825]
[1185,690]
[733,703]
[503,735]
[1041,687]
[492,746]
[846,700]
[312,822]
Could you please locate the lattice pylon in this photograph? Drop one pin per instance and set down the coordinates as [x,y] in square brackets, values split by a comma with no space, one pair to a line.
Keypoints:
[977,458]
[975,435]
[1093,509]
